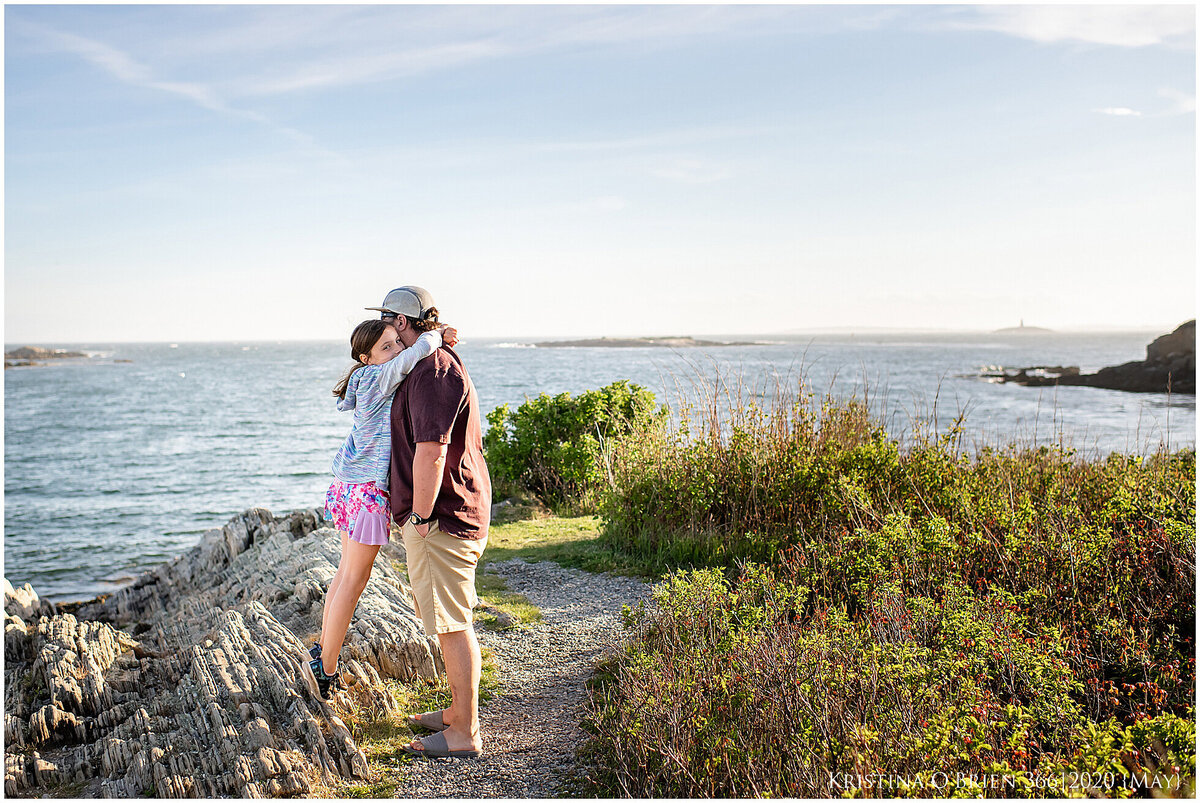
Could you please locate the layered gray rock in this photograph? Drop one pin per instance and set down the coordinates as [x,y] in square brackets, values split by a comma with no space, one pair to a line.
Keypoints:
[188,682]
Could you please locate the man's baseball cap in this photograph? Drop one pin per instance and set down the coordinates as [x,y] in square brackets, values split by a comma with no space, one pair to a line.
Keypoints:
[410,300]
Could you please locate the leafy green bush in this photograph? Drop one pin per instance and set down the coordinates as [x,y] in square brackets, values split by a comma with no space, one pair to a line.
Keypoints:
[752,689]
[1105,548]
[1021,613]
[558,446]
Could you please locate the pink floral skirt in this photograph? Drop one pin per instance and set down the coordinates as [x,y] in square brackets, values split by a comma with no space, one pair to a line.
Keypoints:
[362,510]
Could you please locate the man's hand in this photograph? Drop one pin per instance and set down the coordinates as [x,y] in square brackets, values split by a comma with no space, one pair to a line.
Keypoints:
[429,461]
[422,529]
[449,335]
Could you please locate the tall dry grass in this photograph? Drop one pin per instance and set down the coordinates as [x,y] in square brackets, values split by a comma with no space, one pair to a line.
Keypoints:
[1018,609]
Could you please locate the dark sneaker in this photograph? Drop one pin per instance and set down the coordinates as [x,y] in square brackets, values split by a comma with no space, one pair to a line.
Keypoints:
[315,650]
[318,682]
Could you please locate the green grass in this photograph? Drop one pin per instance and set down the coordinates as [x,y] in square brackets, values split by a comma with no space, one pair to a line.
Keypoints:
[383,737]
[75,790]
[572,541]
[497,601]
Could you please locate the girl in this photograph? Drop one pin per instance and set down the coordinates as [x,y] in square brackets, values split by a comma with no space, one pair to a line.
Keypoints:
[357,501]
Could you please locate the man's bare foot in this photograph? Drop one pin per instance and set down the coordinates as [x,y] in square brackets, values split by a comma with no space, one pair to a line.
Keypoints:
[431,720]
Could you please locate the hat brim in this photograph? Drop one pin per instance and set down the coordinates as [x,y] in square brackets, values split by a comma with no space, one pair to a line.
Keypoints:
[382,309]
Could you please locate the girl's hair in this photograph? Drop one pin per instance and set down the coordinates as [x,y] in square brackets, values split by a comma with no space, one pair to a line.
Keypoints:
[362,340]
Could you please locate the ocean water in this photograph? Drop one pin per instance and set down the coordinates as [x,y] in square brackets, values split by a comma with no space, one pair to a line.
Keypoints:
[112,467]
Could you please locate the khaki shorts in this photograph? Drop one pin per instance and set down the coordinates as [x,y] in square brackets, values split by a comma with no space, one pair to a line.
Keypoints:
[441,571]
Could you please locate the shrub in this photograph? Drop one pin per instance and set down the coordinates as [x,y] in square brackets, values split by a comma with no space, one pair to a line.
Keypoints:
[1020,613]
[1106,549]
[557,446]
[751,689]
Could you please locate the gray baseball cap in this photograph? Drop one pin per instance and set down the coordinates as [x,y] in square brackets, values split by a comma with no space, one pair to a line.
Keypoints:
[410,300]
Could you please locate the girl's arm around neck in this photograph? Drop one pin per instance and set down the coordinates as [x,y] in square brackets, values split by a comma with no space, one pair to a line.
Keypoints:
[395,369]
[351,398]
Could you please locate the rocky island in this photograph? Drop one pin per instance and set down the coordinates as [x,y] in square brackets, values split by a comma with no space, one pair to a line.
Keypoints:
[638,342]
[1023,330]
[36,355]
[187,683]
[1170,366]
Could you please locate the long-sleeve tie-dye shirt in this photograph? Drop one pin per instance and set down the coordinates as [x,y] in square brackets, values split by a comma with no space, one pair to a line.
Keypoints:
[365,455]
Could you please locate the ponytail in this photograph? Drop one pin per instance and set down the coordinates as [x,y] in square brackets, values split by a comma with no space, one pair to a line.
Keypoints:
[340,390]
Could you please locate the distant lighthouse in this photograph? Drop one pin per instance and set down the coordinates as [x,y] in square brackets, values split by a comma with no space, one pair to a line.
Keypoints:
[1021,330]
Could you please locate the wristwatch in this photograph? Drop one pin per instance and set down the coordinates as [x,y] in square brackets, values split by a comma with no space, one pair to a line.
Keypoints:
[417,521]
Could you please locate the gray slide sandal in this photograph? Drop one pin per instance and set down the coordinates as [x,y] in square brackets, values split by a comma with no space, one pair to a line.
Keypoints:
[435,747]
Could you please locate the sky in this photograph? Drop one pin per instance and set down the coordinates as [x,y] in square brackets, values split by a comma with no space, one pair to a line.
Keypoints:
[261,172]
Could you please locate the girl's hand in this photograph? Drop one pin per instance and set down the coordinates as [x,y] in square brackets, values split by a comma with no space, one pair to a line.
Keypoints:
[449,336]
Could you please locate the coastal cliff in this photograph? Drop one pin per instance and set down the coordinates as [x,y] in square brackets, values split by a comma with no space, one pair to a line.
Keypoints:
[188,682]
[1170,366]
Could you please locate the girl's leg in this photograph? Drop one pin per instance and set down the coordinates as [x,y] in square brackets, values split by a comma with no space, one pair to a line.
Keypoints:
[332,590]
[357,560]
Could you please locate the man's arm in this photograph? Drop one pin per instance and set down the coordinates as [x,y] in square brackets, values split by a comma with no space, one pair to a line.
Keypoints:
[429,462]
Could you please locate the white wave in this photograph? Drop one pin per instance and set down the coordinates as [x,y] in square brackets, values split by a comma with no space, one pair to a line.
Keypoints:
[514,346]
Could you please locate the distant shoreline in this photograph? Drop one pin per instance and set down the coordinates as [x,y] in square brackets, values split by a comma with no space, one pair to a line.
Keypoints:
[28,356]
[1024,330]
[471,338]
[639,342]
[39,356]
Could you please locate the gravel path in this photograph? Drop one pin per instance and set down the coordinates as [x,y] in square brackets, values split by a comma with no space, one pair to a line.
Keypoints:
[531,728]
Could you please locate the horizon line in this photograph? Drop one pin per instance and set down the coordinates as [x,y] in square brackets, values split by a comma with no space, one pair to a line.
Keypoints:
[839,330]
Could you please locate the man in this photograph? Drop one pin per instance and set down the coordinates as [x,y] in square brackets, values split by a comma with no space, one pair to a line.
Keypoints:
[441,496]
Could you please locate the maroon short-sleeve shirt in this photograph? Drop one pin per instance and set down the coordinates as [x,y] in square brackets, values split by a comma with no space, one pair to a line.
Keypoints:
[438,403]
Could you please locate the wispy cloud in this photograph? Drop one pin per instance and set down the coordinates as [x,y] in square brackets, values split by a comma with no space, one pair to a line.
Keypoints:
[125,68]
[692,171]
[364,68]
[315,47]
[602,203]
[1122,26]
[669,138]
[385,43]
[1181,102]
[1178,103]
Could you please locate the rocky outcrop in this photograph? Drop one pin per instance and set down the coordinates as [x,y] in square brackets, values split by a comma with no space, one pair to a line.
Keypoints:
[188,682]
[1170,366]
[36,355]
[1180,343]
[24,602]
[39,353]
